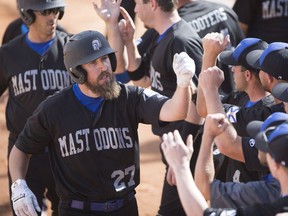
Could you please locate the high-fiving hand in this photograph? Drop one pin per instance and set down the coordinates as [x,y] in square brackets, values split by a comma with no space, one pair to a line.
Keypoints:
[184,68]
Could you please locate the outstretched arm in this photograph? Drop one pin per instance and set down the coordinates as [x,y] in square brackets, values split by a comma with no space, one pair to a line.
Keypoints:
[228,143]
[215,124]
[213,44]
[176,108]
[127,29]
[109,12]
[178,156]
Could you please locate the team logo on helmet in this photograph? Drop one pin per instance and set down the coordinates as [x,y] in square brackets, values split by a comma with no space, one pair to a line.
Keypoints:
[96,44]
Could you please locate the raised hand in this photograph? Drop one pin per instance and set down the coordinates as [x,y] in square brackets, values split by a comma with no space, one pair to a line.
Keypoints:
[211,79]
[214,43]
[109,11]
[184,68]
[215,124]
[126,27]
[176,152]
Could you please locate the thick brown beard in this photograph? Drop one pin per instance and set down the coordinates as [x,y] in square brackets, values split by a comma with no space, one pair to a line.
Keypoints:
[109,90]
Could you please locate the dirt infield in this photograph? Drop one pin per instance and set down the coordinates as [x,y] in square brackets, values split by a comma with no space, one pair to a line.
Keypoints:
[79,15]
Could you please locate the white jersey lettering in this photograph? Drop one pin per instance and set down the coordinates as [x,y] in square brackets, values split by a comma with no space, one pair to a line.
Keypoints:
[50,80]
[155,82]
[212,18]
[275,8]
[114,138]
[104,139]
[75,144]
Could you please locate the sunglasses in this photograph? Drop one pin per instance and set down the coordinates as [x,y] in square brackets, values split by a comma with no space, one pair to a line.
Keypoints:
[47,12]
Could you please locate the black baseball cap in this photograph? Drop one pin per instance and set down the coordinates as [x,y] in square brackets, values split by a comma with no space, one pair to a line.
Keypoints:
[280,91]
[273,60]
[238,55]
[261,131]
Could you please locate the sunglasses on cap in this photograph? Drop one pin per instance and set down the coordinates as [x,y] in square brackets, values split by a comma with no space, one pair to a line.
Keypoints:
[47,12]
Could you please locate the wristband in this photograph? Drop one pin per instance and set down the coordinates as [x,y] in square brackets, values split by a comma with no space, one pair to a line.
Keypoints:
[138,73]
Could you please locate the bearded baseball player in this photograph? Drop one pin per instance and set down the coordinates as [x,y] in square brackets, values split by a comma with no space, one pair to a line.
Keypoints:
[92,134]
[32,68]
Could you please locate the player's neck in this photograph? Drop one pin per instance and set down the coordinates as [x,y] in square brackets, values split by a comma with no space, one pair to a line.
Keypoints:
[38,37]
[256,93]
[166,21]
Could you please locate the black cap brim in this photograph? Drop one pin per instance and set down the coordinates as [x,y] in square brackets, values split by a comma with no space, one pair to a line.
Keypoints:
[253,128]
[227,58]
[260,142]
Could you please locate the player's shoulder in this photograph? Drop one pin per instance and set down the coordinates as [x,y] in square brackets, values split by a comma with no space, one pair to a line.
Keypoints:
[63,36]
[183,31]
[13,45]
[59,98]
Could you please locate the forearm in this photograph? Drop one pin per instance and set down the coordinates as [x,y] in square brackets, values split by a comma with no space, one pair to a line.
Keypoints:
[191,198]
[214,105]
[204,171]
[208,61]
[18,164]
[116,42]
[193,116]
[230,144]
[176,108]
[134,60]
[133,55]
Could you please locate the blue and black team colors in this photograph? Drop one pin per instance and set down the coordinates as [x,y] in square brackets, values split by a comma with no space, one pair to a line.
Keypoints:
[30,78]
[94,156]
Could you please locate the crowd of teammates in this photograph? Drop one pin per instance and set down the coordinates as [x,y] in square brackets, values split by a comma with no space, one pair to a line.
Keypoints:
[221,79]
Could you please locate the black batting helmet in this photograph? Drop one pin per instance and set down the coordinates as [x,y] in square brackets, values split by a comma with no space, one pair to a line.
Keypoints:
[83,48]
[26,8]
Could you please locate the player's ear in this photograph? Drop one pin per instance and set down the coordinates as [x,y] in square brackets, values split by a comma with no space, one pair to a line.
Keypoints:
[154,4]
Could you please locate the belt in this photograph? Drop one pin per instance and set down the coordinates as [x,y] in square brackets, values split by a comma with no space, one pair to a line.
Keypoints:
[109,206]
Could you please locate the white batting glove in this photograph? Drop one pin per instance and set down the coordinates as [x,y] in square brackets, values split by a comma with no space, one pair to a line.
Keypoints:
[184,68]
[24,201]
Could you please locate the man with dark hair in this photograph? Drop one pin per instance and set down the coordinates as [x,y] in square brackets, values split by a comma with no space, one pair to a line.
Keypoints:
[32,68]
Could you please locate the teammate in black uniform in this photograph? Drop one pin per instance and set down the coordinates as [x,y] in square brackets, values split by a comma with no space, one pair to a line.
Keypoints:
[265,19]
[32,68]
[205,17]
[155,69]
[92,135]
[247,81]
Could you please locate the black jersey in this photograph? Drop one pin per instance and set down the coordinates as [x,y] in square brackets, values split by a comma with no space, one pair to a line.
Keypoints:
[206,17]
[237,171]
[158,61]
[94,156]
[30,78]
[240,116]
[266,19]
[179,38]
